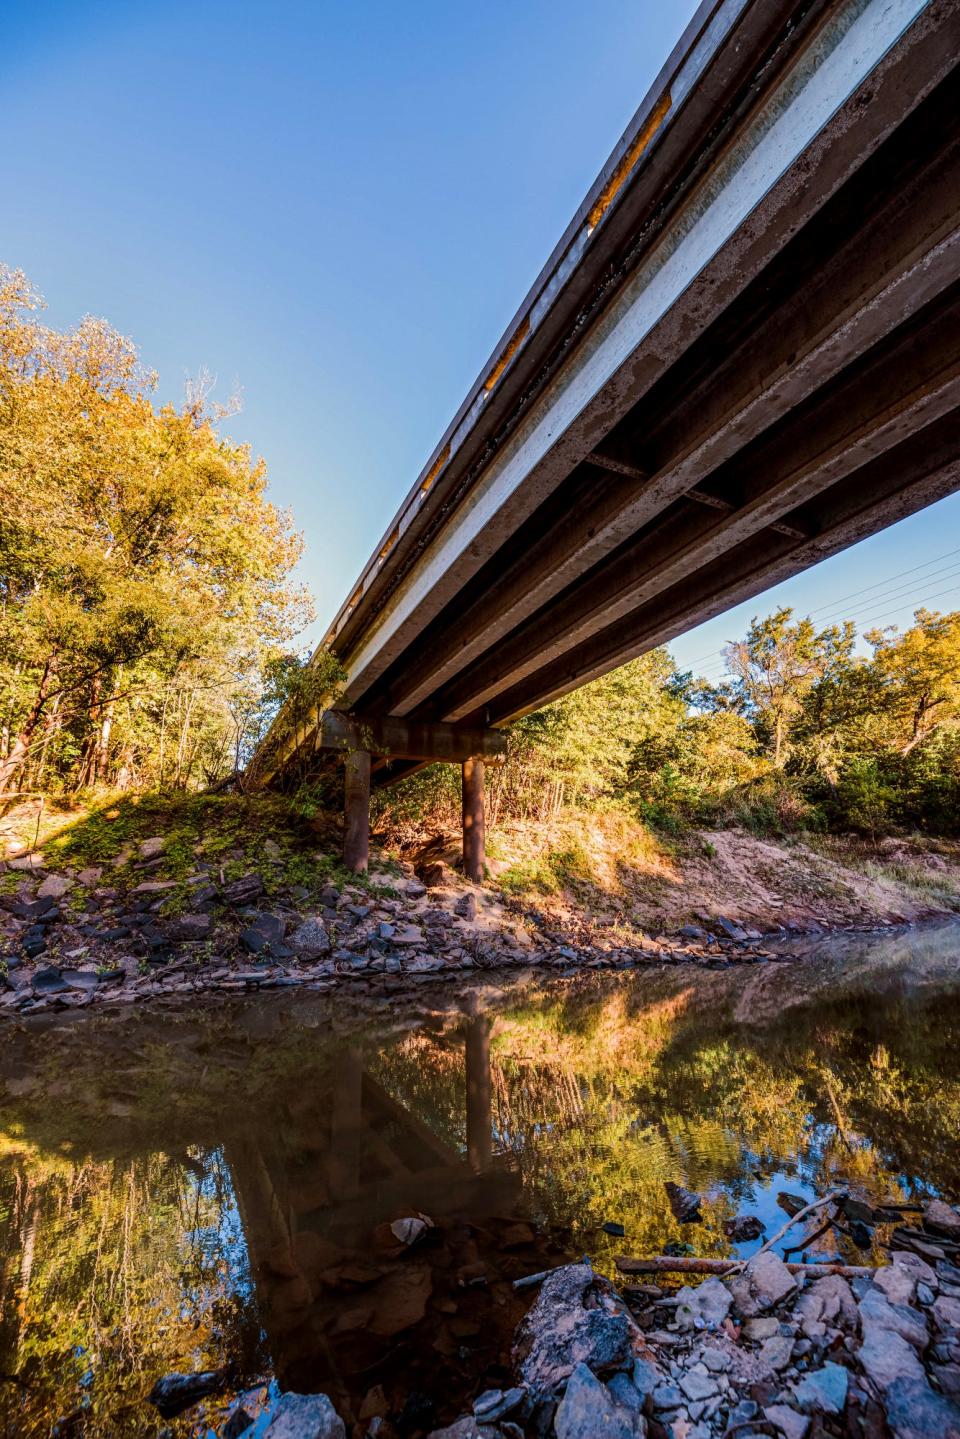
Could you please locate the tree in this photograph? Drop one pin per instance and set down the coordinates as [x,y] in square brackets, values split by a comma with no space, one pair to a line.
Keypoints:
[917,675]
[775,668]
[140,559]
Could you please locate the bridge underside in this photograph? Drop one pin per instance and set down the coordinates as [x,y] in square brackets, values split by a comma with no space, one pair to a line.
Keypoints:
[753,362]
[821,406]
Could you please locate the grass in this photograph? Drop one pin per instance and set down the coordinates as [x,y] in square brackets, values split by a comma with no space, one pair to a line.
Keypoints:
[917,879]
[236,834]
[595,854]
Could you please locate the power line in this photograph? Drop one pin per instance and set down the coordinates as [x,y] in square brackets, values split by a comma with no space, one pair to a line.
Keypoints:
[719,665]
[888,579]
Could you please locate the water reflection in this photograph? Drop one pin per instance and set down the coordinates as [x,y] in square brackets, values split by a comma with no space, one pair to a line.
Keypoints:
[215,1187]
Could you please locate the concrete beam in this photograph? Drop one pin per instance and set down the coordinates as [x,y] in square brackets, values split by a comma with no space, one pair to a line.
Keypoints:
[723,239]
[878,281]
[408,739]
[792,470]
[907,483]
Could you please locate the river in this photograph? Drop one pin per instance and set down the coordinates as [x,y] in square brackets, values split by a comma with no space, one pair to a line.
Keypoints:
[220,1185]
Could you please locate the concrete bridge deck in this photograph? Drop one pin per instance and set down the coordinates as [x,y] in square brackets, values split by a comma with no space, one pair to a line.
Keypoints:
[743,356]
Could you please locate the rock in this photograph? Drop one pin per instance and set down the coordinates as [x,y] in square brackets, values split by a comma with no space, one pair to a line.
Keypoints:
[466,907]
[176,1392]
[684,1204]
[769,1278]
[578,1317]
[90,877]
[55,886]
[946,1313]
[698,1386]
[915,1266]
[466,1428]
[938,1217]
[48,981]
[305,1416]
[885,1357]
[190,927]
[742,1229]
[729,928]
[709,1303]
[646,1377]
[495,1404]
[155,886]
[824,1391]
[243,891]
[412,888]
[152,848]
[876,1310]
[82,979]
[238,1423]
[897,1283]
[834,1298]
[625,1393]
[310,939]
[433,873]
[756,1330]
[787,1420]
[253,941]
[777,1351]
[406,934]
[271,926]
[28,862]
[915,1411]
[588,1410]
[667,1396]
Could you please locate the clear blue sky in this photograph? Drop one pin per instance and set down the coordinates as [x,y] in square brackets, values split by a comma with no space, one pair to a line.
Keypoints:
[338,207]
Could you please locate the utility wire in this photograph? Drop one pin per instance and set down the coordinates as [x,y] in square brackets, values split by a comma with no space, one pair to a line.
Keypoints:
[718,666]
[889,579]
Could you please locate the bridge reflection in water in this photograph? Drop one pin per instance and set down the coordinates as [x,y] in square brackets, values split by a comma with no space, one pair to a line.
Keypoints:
[187,1188]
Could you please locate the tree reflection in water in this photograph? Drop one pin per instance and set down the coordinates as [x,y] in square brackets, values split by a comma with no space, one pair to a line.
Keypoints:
[190,1189]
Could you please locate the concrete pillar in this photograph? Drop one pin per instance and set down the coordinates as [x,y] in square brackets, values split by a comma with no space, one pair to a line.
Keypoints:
[473,826]
[479,1109]
[346,1126]
[356,796]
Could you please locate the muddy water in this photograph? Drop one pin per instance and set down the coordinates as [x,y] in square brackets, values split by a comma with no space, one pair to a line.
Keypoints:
[214,1187]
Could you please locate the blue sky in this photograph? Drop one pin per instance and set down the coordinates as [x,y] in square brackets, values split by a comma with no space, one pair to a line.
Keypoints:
[338,208]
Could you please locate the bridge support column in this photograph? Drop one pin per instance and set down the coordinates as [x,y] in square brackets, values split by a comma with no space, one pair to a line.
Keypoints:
[479,1107]
[356,796]
[473,822]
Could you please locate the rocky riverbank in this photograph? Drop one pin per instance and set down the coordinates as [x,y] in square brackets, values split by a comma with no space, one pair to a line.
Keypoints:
[789,1351]
[125,934]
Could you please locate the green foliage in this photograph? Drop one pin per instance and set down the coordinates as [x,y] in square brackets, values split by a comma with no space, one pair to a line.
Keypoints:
[144,576]
[804,735]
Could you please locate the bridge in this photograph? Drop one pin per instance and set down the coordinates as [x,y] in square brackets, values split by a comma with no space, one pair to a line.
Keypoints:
[742,356]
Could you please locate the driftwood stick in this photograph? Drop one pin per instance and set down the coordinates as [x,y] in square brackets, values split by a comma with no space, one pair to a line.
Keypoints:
[795,1219]
[664,1264]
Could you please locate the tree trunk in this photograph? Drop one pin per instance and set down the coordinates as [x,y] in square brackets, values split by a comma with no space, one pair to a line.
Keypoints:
[20,749]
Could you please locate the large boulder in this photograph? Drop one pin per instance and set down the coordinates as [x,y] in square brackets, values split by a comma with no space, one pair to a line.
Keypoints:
[578,1318]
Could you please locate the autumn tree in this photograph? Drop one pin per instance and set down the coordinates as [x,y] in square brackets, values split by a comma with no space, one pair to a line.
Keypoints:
[776,666]
[141,563]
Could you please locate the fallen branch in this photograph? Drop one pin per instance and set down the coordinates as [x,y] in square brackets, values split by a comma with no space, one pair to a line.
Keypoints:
[830,1198]
[665,1264]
